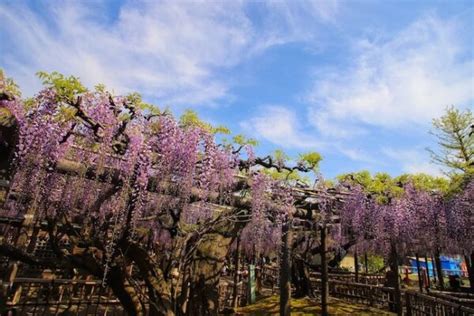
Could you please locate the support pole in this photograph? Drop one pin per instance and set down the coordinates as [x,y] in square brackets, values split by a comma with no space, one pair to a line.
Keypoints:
[428,271]
[435,275]
[356,264]
[439,270]
[366,262]
[396,279]
[470,269]
[324,273]
[235,289]
[418,268]
[285,269]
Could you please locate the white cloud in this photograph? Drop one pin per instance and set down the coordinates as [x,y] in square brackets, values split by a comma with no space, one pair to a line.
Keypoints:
[413,160]
[283,127]
[355,154]
[393,83]
[280,126]
[424,167]
[163,50]
[170,51]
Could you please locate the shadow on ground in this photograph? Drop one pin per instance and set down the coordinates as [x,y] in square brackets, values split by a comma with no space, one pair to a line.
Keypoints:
[306,306]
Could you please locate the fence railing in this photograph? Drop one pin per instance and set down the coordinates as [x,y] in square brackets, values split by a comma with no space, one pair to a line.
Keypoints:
[414,303]
[374,279]
[27,296]
[465,299]
[418,304]
[367,294]
[33,296]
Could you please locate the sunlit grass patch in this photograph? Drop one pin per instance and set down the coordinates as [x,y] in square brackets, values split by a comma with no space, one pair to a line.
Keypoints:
[306,306]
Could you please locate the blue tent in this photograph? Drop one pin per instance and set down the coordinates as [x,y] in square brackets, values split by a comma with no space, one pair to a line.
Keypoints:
[449,265]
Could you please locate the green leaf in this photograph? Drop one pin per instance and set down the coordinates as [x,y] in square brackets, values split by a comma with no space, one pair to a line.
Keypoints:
[67,88]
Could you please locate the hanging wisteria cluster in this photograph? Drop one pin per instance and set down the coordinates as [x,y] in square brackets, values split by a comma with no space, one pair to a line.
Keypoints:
[272,203]
[121,168]
[130,175]
[416,220]
[460,219]
[72,151]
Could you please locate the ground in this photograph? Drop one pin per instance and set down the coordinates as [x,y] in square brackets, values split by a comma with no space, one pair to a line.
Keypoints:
[305,306]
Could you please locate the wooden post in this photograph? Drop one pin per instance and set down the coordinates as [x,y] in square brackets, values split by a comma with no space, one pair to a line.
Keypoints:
[408,304]
[356,264]
[435,276]
[439,270]
[285,268]
[418,268]
[470,269]
[396,280]
[235,289]
[366,262]
[324,273]
[251,285]
[427,270]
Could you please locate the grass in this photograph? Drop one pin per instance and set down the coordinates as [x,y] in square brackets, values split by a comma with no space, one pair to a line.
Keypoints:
[306,306]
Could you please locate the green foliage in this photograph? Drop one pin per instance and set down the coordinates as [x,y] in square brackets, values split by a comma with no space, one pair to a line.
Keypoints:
[8,87]
[100,88]
[280,156]
[66,113]
[30,103]
[6,118]
[191,119]
[375,263]
[329,183]
[363,178]
[134,99]
[8,90]
[241,140]
[454,132]
[67,88]
[381,185]
[285,175]
[425,182]
[310,160]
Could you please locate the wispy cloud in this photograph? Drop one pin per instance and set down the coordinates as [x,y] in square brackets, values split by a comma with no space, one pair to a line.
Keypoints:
[395,82]
[170,52]
[283,127]
[412,160]
[279,125]
[165,51]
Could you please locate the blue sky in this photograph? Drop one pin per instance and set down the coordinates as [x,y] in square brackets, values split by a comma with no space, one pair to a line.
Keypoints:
[358,81]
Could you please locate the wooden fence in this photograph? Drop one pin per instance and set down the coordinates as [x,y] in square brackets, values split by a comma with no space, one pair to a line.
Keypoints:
[367,294]
[414,303]
[420,304]
[27,296]
[465,299]
[373,279]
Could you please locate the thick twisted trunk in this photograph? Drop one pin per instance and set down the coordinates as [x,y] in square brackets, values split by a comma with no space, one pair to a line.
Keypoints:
[125,293]
[206,271]
[300,279]
[158,285]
